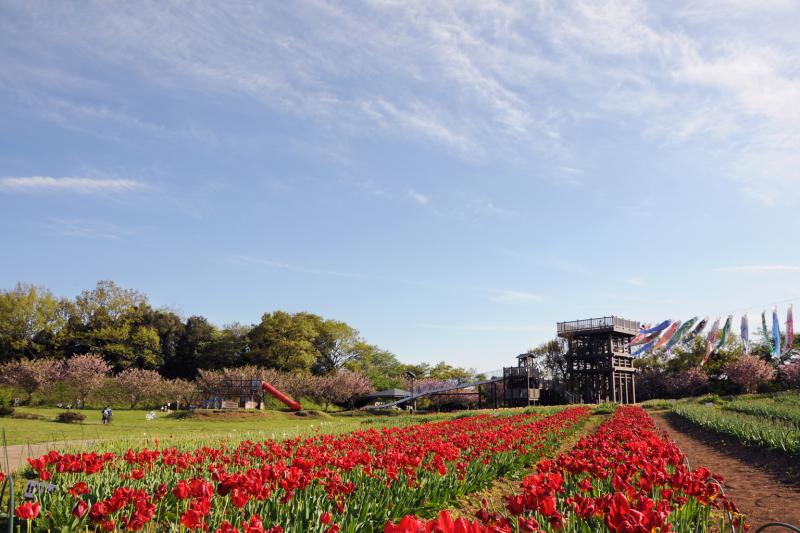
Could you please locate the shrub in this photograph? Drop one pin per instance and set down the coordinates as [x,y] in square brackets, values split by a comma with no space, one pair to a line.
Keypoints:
[651,383]
[28,416]
[69,417]
[5,408]
[791,374]
[749,371]
[690,382]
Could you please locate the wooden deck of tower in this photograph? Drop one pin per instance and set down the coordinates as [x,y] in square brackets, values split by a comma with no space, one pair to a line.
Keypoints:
[599,363]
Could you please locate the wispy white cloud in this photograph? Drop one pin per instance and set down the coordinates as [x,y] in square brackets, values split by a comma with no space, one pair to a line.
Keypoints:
[249,260]
[34,184]
[755,269]
[417,197]
[505,80]
[513,297]
[429,66]
[87,229]
[501,328]
[570,170]
[496,295]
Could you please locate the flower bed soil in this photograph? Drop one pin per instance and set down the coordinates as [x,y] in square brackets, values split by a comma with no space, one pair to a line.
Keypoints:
[764,484]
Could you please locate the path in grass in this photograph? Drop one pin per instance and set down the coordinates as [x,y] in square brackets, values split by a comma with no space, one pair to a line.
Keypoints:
[765,484]
[13,457]
[507,485]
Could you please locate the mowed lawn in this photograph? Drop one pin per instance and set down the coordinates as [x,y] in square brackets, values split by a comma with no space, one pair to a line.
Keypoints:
[133,425]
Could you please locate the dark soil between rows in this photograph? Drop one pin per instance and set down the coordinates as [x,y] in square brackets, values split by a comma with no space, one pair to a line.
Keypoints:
[764,484]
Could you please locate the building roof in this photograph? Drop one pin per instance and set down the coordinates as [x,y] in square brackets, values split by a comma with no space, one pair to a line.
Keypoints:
[390,393]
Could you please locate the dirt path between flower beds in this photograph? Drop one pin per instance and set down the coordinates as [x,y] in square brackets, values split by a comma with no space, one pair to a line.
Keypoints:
[17,453]
[505,486]
[764,484]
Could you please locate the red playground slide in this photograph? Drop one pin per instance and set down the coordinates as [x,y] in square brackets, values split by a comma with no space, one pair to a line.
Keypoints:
[291,404]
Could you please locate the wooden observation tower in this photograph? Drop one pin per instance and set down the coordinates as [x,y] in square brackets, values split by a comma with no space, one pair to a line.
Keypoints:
[599,363]
[522,382]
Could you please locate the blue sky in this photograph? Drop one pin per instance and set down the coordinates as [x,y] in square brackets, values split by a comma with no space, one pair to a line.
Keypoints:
[451,180]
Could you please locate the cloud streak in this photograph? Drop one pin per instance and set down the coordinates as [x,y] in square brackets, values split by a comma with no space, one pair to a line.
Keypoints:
[500,328]
[249,260]
[514,297]
[500,296]
[755,269]
[418,198]
[36,184]
[87,229]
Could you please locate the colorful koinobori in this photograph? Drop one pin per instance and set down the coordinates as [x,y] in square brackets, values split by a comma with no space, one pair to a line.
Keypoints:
[670,333]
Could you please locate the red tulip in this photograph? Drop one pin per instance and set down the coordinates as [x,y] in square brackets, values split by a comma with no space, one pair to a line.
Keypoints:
[27,511]
[78,488]
[80,509]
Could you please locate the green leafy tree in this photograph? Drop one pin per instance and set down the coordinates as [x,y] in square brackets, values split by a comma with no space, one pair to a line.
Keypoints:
[551,358]
[190,350]
[226,347]
[381,367]
[107,320]
[145,348]
[690,355]
[169,327]
[443,371]
[336,344]
[31,321]
[284,341]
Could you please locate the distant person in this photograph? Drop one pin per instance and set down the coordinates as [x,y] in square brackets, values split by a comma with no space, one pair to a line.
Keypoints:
[107,415]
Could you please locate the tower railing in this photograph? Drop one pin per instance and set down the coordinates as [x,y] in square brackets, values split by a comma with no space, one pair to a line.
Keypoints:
[611,323]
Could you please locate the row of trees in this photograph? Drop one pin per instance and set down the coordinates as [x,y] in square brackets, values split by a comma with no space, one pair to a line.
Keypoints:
[678,373]
[123,328]
[80,376]
[341,387]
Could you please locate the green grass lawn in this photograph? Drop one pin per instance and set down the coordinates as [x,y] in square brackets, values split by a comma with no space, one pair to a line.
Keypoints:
[133,425]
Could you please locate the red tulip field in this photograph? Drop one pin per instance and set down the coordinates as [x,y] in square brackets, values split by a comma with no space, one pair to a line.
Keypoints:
[623,477]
